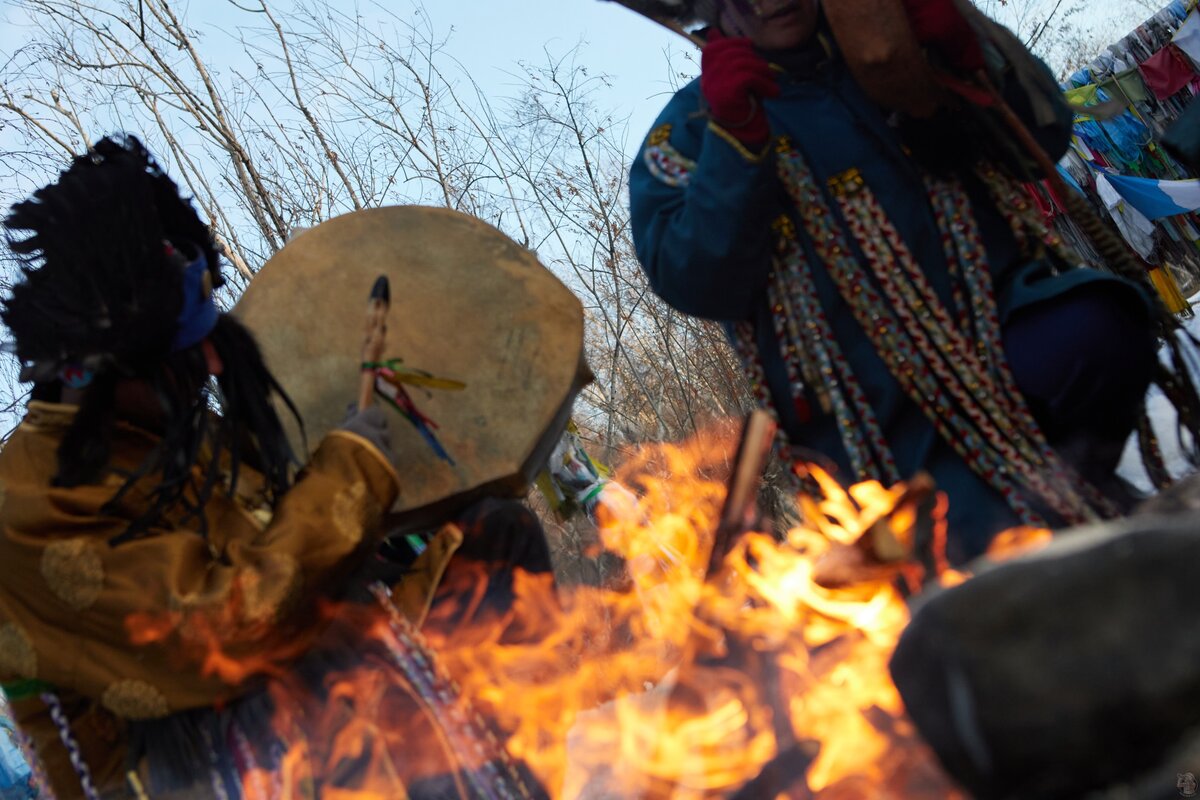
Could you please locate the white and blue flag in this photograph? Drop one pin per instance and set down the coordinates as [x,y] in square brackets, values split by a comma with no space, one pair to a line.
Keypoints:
[1155,198]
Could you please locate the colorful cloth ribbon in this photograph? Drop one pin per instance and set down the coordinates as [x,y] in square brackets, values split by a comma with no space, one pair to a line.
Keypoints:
[1167,71]
[390,377]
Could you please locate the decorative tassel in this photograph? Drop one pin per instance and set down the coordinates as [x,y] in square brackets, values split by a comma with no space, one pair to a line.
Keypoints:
[1168,290]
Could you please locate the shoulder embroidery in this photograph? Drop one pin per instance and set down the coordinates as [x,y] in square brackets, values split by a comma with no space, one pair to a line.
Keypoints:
[18,659]
[270,589]
[74,572]
[135,699]
[351,512]
[665,162]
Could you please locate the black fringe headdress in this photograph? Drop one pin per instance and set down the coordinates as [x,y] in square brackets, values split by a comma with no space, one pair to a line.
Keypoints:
[102,296]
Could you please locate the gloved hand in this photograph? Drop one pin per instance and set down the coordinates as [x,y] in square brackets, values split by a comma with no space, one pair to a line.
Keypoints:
[734,79]
[940,26]
[371,424]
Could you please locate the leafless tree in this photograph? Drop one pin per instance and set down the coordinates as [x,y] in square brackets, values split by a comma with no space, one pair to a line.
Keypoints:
[1068,33]
[318,113]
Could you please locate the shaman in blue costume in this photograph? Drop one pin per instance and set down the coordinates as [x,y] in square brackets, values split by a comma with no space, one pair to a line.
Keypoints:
[898,307]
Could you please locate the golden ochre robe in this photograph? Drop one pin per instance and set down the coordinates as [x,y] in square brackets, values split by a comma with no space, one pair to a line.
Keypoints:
[71,604]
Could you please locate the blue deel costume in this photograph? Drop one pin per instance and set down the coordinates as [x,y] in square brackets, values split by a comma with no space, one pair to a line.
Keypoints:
[711,220]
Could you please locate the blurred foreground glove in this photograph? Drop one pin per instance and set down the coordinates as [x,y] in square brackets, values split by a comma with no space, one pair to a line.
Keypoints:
[940,26]
[735,79]
[371,424]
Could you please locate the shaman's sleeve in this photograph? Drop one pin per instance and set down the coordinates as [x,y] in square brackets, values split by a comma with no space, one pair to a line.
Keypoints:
[172,620]
[700,211]
[334,509]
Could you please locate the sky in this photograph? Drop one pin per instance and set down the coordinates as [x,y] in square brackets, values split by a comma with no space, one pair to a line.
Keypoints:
[490,37]
[634,52]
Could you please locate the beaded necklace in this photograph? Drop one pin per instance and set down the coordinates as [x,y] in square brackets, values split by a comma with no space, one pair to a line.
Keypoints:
[950,202]
[949,361]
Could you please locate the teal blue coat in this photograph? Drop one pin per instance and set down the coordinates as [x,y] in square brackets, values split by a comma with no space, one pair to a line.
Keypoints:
[701,226]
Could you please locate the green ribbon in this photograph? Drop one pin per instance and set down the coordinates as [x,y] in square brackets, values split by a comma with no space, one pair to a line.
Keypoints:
[23,690]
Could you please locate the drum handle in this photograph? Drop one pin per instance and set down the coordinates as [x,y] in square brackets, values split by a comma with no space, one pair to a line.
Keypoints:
[376,338]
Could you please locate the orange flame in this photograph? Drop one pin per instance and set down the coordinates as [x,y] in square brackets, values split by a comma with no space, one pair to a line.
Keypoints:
[677,684]
[679,680]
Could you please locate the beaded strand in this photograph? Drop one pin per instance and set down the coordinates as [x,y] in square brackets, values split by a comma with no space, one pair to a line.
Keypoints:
[948,359]
[952,199]
[870,456]
[990,407]
[63,725]
[893,346]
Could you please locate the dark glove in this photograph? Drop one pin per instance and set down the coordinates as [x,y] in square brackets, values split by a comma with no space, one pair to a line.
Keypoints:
[941,27]
[734,79]
[371,424]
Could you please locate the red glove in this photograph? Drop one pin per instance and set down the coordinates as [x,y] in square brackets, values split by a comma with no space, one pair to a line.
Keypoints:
[940,26]
[734,79]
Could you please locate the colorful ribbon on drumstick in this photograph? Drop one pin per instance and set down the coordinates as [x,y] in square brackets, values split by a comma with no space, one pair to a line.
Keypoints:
[386,377]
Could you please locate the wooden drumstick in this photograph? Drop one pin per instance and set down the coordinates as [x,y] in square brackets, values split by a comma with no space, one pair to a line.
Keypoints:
[376,337]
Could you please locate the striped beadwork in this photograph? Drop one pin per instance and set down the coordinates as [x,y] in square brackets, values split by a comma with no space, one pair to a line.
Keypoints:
[948,359]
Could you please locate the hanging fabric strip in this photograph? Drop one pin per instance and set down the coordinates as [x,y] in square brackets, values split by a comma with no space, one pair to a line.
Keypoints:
[1157,198]
[1167,72]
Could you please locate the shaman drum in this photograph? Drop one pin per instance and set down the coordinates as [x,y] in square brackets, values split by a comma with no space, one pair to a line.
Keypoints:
[468,305]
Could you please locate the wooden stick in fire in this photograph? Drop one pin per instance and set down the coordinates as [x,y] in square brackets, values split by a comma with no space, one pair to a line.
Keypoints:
[740,510]
[739,515]
[376,337]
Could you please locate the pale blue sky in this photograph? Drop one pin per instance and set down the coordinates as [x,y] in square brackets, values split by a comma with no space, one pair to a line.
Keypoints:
[489,37]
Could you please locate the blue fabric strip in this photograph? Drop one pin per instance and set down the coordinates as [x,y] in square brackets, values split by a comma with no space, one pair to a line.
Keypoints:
[1155,198]
[199,314]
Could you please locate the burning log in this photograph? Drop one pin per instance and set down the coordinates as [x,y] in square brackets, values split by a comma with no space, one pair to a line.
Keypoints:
[1065,671]
[686,682]
[887,545]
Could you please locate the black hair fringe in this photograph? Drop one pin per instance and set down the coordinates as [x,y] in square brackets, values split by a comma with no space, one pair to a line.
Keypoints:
[247,431]
[97,282]
[85,448]
[99,289]
[246,391]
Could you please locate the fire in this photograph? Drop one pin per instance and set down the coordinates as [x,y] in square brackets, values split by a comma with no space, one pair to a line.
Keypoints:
[769,673]
[709,680]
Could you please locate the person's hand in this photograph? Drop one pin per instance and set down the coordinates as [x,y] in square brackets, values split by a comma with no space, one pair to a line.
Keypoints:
[940,26]
[735,79]
[371,424]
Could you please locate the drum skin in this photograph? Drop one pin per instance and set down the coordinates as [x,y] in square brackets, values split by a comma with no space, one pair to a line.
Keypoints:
[467,303]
